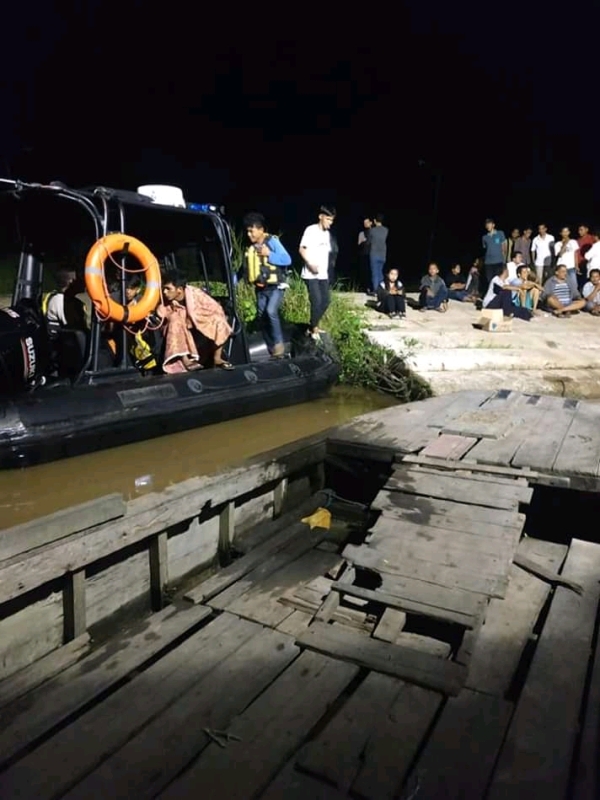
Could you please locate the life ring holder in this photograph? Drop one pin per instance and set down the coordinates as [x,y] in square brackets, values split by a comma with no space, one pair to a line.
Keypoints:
[95,281]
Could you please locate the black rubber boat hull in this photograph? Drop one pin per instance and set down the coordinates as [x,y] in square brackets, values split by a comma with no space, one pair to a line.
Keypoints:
[60,422]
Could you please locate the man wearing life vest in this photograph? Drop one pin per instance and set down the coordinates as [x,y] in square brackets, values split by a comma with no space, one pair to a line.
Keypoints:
[264,262]
[53,303]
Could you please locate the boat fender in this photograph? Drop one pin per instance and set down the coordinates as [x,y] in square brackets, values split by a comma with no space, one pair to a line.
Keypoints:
[24,347]
[95,282]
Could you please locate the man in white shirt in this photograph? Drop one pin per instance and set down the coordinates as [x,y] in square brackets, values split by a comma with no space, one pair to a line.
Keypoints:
[592,256]
[541,249]
[513,266]
[55,303]
[565,251]
[315,247]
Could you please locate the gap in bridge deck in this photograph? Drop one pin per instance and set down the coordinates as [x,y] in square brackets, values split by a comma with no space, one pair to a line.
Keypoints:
[560,515]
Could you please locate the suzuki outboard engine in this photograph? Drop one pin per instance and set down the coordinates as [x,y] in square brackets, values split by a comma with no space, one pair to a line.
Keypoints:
[24,347]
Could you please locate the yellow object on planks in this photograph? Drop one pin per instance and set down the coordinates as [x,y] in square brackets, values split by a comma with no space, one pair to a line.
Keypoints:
[321,518]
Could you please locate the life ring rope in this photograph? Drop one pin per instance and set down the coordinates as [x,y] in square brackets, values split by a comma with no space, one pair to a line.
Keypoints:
[106,308]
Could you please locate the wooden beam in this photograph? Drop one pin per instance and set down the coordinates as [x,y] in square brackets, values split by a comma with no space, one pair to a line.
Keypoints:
[226,532]
[158,553]
[74,606]
[279,495]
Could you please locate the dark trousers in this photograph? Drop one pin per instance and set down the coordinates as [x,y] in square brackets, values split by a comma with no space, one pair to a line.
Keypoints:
[504,301]
[319,296]
[491,270]
[393,304]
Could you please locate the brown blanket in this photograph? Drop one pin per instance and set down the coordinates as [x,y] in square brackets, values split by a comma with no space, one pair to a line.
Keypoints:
[200,312]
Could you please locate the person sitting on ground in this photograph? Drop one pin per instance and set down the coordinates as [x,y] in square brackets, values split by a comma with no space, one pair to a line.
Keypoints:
[527,292]
[500,295]
[53,303]
[460,287]
[390,295]
[194,323]
[472,287]
[560,296]
[433,293]
[591,292]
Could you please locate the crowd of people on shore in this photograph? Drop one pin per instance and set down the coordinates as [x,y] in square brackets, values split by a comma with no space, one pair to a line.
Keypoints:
[522,275]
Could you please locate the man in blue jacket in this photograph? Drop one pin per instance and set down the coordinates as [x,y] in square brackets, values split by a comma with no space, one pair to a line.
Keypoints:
[263,268]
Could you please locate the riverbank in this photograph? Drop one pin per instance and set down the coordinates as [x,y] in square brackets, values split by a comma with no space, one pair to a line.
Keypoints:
[545,356]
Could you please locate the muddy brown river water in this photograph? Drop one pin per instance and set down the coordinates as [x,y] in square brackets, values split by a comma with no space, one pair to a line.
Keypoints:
[153,465]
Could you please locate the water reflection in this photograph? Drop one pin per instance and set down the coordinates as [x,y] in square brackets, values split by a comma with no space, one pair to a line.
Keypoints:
[27,494]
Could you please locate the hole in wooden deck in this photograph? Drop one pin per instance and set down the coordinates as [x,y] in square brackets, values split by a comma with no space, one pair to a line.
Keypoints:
[560,515]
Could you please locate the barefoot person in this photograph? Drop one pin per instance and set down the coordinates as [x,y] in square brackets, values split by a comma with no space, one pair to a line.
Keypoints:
[195,324]
[559,295]
[527,292]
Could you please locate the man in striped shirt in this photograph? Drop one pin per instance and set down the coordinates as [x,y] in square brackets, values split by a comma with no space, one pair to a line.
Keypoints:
[560,296]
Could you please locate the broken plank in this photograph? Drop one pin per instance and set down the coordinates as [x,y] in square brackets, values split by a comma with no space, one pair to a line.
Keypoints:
[65,695]
[579,452]
[471,465]
[22,538]
[447,514]
[293,550]
[394,743]
[78,748]
[270,729]
[335,755]
[261,602]
[449,447]
[460,754]
[423,599]
[143,767]
[450,577]
[548,575]
[458,489]
[510,622]
[31,677]
[415,667]
[424,644]
[465,473]
[389,626]
[538,750]
[296,623]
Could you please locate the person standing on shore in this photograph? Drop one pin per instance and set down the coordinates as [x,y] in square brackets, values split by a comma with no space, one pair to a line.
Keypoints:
[315,249]
[377,237]
[363,254]
[494,246]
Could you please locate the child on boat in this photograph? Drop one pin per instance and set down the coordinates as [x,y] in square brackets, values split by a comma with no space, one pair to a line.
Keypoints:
[390,295]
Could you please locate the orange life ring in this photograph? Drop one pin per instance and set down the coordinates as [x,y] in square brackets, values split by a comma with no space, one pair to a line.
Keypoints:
[95,282]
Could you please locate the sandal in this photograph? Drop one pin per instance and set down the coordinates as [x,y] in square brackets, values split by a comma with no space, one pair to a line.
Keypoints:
[224,365]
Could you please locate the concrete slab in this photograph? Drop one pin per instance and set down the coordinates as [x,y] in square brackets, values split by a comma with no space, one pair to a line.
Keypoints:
[544,356]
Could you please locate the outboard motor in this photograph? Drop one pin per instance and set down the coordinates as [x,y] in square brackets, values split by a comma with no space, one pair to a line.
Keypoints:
[24,347]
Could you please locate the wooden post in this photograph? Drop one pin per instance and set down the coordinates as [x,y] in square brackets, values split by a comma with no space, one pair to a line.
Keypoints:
[226,532]
[159,570]
[74,605]
[279,493]
[317,477]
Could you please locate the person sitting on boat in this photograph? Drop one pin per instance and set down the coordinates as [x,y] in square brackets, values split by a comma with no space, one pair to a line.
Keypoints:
[527,292]
[500,295]
[78,306]
[53,303]
[390,295]
[263,265]
[194,322]
[560,295]
[133,289]
[433,293]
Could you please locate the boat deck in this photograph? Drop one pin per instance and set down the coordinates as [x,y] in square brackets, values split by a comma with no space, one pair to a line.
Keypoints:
[435,651]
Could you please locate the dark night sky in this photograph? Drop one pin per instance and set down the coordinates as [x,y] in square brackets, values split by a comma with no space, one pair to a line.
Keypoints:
[280,108]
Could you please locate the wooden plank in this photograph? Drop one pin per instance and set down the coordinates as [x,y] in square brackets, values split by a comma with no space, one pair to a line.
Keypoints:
[473,466]
[420,668]
[31,677]
[536,757]
[541,445]
[481,424]
[23,538]
[462,470]
[450,577]
[460,490]
[261,602]
[422,599]
[143,767]
[291,784]
[60,761]
[228,576]
[579,452]
[586,778]
[394,743]
[158,555]
[335,755]
[389,626]
[424,644]
[71,690]
[449,447]
[460,403]
[271,529]
[460,754]
[271,729]
[226,529]
[149,515]
[296,623]
[74,605]
[447,514]
[509,622]
[294,550]
[279,495]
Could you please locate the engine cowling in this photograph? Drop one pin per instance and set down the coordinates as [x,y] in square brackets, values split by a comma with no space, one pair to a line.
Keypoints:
[24,347]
